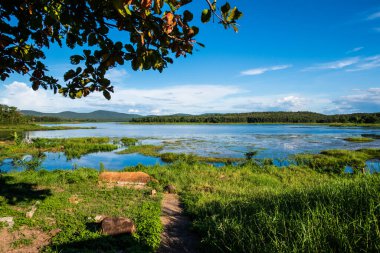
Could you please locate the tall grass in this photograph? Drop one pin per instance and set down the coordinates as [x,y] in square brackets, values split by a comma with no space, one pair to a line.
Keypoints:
[265,209]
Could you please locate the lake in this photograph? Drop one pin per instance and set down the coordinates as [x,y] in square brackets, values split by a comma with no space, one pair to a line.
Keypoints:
[276,141]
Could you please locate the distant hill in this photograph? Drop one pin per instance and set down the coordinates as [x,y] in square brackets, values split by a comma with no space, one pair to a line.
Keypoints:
[99,115]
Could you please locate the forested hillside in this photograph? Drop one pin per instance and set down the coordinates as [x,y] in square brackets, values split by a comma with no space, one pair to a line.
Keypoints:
[265,117]
[99,115]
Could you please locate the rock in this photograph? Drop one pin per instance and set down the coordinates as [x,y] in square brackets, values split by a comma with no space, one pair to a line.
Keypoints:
[99,218]
[153,192]
[117,226]
[125,177]
[8,220]
[31,212]
[170,188]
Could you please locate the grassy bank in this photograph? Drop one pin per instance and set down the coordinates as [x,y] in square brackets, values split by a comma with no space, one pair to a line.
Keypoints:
[35,127]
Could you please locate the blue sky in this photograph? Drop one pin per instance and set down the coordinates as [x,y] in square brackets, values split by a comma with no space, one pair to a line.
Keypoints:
[290,55]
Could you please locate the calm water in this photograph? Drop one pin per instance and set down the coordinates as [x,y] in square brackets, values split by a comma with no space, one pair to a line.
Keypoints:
[273,141]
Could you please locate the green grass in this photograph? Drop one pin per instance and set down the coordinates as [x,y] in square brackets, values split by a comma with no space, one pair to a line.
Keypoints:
[35,127]
[359,139]
[79,233]
[335,161]
[129,141]
[265,209]
[154,150]
[72,147]
[21,242]
[373,125]
[148,150]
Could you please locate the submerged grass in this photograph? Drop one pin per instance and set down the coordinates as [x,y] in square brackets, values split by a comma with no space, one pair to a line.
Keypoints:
[148,150]
[359,139]
[154,150]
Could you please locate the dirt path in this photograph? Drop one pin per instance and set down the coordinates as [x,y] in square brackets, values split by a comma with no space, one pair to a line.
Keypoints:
[177,236]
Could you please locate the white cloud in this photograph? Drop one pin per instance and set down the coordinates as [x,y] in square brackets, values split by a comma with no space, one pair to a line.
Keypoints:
[354,50]
[133,111]
[367,63]
[335,64]
[349,64]
[194,99]
[359,101]
[117,76]
[373,16]
[155,112]
[259,71]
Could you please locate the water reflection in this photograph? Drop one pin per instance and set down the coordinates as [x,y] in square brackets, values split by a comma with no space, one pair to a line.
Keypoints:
[110,160]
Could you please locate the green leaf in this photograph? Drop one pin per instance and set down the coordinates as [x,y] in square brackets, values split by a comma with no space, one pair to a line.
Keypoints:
[129,48]
[234,14]
[35,85]
[187,16]
[225,8]
[92,39]
[106,94]
[79,94]
[118,4]
[206,15]
[68,75]
[75,59]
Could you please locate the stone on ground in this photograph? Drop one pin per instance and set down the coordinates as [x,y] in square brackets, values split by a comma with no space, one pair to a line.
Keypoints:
[120,178]
[117,226]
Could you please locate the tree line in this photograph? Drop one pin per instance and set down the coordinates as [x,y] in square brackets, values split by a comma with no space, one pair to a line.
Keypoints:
[265,117]
[10,115]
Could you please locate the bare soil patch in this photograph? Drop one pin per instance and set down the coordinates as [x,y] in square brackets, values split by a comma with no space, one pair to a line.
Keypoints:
[177,236]
[25,240]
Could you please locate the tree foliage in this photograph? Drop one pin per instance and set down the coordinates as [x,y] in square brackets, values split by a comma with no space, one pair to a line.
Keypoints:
[10,115]
[265,117]
[151,33]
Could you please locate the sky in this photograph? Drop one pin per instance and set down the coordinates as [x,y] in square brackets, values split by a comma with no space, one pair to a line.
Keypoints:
[289,55]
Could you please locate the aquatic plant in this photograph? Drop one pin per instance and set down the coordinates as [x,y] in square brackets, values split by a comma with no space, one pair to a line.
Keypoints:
[128,141]
[359,139]
[148,150]
[335,161]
